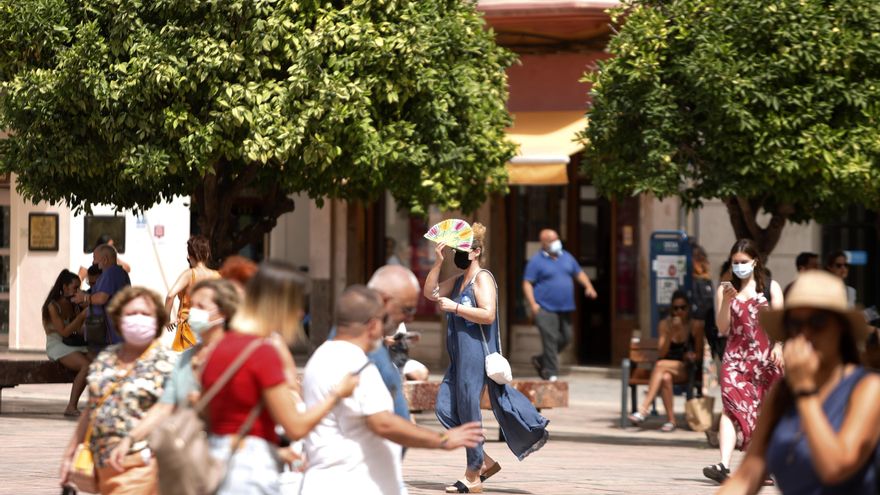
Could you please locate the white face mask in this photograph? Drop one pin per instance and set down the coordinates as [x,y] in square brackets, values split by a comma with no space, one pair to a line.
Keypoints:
[743,270]
[555,247]
[200,320]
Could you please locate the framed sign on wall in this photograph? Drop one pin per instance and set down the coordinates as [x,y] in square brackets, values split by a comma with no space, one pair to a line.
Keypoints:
[102,229]
[43,231]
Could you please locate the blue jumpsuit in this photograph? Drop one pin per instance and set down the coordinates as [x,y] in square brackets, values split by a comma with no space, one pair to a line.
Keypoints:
[458,400]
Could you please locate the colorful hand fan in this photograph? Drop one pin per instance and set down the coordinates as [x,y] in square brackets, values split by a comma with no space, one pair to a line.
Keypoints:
[454,233]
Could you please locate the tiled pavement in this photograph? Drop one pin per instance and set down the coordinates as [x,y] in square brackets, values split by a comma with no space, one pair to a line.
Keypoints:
[586,453]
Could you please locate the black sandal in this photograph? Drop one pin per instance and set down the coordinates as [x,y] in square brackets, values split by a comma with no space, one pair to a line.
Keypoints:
[460,487]
[716,472]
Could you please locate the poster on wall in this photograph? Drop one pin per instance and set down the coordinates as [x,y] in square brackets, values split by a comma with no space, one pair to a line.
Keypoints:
[43,231]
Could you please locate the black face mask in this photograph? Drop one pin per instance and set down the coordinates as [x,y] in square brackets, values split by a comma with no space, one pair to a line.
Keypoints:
[461,260]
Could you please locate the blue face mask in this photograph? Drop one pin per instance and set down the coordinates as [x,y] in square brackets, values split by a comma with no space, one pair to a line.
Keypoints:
[743,270]
[555,247]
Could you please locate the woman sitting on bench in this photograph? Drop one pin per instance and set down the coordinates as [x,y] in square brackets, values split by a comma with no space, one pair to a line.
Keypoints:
[679,338]
[62,322]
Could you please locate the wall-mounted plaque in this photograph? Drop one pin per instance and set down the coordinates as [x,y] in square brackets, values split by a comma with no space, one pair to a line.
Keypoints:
[43,231]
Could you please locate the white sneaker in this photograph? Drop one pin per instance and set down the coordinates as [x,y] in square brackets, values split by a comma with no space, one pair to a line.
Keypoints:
[552,378]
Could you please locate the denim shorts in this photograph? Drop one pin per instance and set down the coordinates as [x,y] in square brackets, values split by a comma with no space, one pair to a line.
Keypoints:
[255,467]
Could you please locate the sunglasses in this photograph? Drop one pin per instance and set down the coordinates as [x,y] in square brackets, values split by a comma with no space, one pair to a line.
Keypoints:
[841,265]
[815,322]
[679,308]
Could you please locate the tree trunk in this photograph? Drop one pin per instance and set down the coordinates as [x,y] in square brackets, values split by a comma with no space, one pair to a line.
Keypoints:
[743,214]
[214,203]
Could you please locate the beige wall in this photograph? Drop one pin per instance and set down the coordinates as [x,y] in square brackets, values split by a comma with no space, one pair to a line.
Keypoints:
[32,273]
[289,240]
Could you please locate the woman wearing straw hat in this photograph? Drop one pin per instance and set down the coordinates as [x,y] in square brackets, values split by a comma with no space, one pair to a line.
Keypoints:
[818,430]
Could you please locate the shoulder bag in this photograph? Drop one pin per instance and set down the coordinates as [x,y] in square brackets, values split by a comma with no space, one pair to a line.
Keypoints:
[497,367]
[180,443]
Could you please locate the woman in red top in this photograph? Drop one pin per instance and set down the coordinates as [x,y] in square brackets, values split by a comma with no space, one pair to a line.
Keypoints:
[273,303]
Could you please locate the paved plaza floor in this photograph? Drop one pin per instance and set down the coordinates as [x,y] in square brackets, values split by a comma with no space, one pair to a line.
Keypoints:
[587,452]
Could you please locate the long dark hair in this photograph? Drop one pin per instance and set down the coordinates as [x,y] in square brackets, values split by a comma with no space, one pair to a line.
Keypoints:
[748,247]
[65,277]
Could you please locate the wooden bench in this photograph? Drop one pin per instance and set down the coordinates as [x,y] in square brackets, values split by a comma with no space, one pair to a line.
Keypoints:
[636,370]
[14,372]
[422,396]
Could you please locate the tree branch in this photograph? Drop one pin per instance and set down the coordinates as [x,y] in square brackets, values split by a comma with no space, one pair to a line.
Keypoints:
[749,214]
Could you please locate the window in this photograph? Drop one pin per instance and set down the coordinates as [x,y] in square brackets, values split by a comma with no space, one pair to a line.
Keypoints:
[405,245]
[4,260]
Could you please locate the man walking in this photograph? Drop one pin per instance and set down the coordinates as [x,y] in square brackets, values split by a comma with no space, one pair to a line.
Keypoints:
[549,289]
[356,448]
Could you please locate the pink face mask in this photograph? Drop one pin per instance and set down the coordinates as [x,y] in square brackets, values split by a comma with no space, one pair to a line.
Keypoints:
[138,330]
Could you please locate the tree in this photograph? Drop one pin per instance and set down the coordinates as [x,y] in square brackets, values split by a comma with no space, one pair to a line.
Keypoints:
[130,102]
[769,106]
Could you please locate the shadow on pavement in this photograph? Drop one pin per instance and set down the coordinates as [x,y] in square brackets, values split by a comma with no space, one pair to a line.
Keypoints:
[441,487]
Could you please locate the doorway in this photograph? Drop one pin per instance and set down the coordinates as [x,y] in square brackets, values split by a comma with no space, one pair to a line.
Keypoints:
[583,221]
[590,222]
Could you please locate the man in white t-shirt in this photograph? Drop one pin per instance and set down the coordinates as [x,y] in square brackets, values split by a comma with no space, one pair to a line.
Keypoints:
[356,447]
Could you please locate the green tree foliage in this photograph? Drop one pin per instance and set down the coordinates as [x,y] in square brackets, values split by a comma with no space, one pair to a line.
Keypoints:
[769,106]
[129,102]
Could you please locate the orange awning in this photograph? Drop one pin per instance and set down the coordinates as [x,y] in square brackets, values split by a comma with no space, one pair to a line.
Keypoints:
[545,142]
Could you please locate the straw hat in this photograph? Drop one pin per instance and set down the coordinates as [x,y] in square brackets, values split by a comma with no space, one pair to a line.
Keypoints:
[815,289]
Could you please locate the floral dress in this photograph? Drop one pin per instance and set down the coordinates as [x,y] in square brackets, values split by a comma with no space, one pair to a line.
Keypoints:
[130,401]
[746,370]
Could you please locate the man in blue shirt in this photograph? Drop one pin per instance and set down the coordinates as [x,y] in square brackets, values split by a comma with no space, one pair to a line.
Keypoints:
[548,284]
[112,280]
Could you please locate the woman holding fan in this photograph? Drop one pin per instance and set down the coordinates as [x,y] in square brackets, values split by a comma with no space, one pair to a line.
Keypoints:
[470,301]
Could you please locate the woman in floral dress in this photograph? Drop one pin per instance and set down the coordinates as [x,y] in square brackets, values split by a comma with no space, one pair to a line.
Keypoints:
[751,362]
[124,381]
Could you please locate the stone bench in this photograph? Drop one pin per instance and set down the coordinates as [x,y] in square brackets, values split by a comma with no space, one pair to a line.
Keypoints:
[422,396]
[14,372]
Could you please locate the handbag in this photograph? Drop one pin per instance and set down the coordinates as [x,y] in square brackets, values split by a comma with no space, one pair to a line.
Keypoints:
[698,413]
[497,367]
[180,443]
[96,329]
[75,339]
[82,472]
